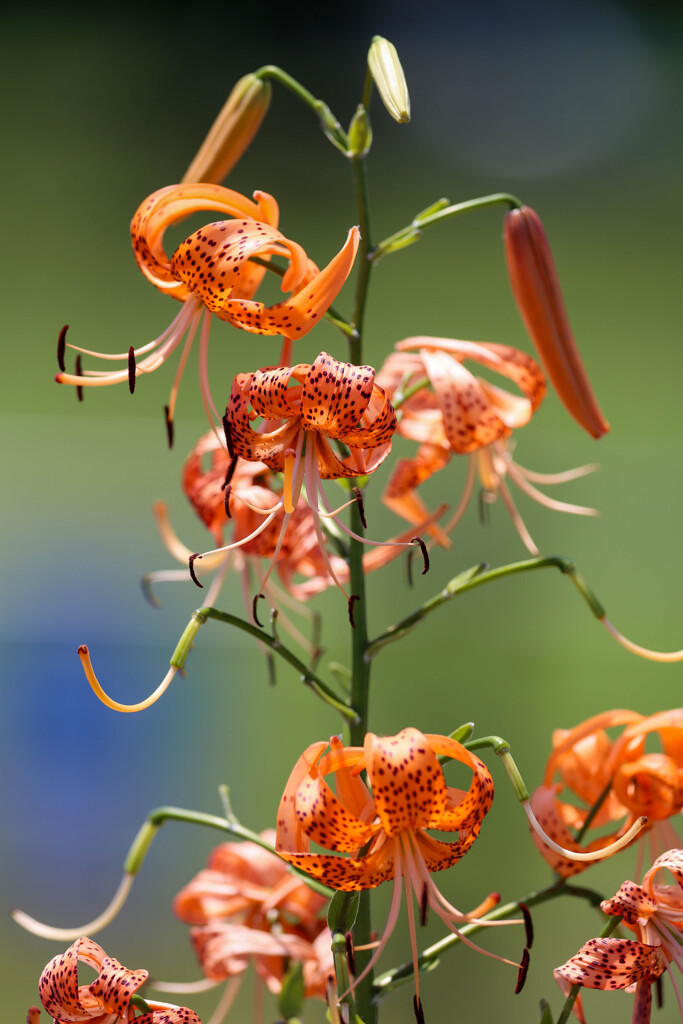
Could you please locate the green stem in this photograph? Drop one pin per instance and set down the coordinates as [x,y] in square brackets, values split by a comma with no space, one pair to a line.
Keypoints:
[158,817]
[328,122]
[413,231]
[308,676]
[477,576]
[360,664]
[404,973]
[501,747]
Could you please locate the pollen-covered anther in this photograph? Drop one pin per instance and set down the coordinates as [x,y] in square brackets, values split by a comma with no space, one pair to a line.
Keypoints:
[61,348]
[192,559]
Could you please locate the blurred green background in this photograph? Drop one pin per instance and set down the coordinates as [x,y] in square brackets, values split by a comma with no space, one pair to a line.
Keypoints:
[573,106]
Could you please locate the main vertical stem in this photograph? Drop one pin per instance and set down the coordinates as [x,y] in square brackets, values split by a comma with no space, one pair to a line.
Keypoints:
[360,679]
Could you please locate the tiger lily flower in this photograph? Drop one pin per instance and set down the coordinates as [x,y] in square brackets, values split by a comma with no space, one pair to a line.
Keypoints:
[211,274]
[653,911]
[303,409]
[382,832]
[450,411]
[537,292]
[615,780]
[107,999]
[247,907]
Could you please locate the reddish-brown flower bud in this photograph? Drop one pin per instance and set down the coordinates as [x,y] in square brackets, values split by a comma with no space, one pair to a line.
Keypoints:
[537,292]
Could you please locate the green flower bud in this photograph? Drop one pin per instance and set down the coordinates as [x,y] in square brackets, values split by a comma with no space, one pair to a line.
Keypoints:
[387,73]
[360,132]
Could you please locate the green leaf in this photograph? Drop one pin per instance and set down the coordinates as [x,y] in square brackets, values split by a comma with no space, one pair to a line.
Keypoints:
[291,999]
[342,911]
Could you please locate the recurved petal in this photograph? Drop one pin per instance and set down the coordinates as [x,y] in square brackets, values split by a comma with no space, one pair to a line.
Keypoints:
[469,420]
[350,874]
[377,424]
[672,860]
[169,1015]
[115,985]
[344,763]
[608,964]
[289,836]
[224,949]
[58,985]
[407,781]
[326,820]
[468,810]
[335,395]
[270,394]
[244,441]
[438,855]
[651,785]
[401,492]
[630,902]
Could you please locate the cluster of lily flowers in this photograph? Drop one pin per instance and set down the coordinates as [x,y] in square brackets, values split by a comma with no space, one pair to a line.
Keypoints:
[260,476]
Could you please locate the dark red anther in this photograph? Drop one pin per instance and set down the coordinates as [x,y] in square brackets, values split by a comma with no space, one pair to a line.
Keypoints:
[417,1010]
[659,992]
[253,609]
[528,925]
[231,471]
[228,437]
[352,601]
[361,508]
[350,959]
[425,553]
[226,499]
[424,906]
[193,574]
[61,347]
[131,370]
[523,970]
[169,425]
[79,389]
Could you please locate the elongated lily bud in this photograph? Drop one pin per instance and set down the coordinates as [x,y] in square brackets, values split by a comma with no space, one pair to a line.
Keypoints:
[387,73]
[537,292]
[232,131]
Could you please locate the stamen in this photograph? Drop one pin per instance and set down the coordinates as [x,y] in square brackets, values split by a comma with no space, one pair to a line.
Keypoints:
[349,953]
[523,971]
[131,370]
[528,925]
[191,562]
[352,601]
[253,609]
[184,987]
[642,652]
[228,437]
[61,347]
[290,459]
[361,508]
[417,1010]
[425,552]
[226,498]
[169,425]
[424,906]
[84,655]
[659,990]
[46,931]
[231,470]
[605,851]
[79,373]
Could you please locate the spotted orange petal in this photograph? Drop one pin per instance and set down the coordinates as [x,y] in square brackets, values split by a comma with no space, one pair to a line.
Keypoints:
[290,836]
[407,782]
[463,812]
[631,902]
[170,1015]
[350,874]
[609,964]
[271,395]
[326,820]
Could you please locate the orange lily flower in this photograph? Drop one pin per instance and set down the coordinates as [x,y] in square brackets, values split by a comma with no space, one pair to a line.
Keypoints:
[537,292]
[388,824]
[246,906]
[450,411]
[327,401]
[211,273]
[655,913]
[617,776]
[107,999]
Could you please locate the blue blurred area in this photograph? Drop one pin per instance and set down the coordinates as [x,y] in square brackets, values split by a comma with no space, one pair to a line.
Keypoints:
[575,106]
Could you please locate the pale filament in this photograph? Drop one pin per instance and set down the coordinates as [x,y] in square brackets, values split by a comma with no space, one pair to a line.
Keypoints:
[465,497]
[605,851]
[84,655]
[642,652]
[550,479]
[227,999]
[543,499]
[46,931]
[138,351]
[517,519]
[185,987]
[181,368]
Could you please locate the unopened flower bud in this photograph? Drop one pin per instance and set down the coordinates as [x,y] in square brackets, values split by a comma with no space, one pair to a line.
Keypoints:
[387,73]
[232,131]
[537,292]
[360,133]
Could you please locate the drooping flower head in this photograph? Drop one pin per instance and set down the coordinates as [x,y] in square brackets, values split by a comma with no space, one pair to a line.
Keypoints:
[615,780]
[450,411]
[304,409]
[382,832]
[211,273]
[247,907]
[105,1000]
[654,911]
